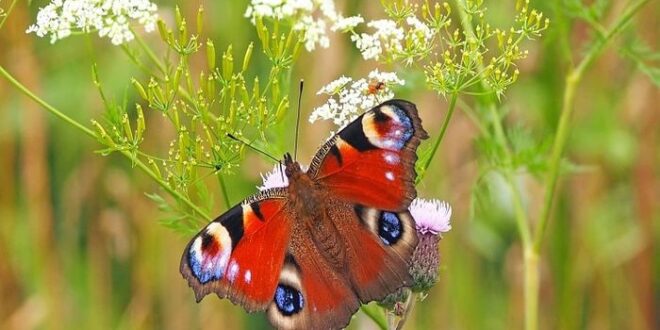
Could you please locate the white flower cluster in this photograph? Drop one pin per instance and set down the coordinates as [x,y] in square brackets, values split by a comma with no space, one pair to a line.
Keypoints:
[110,18]
[390,38]
[348,97]
[312,17]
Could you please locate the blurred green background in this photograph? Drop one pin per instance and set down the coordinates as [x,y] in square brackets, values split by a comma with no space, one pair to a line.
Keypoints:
[81,247]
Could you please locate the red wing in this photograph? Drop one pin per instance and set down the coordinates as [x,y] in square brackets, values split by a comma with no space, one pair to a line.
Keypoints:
[311,294]
[372,160]
[379,245]
[239,255]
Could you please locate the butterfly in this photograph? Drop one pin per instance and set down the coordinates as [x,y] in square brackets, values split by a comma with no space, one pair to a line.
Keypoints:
[339,235]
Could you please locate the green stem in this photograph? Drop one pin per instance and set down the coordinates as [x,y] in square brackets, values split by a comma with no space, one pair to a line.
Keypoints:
[410,305]
[443,130]
[563,129]
[7,12]
[519,211]
[375,313]
[532,284]
[150,54]
[91,134]
[223,187]
[530,260]
[43,103]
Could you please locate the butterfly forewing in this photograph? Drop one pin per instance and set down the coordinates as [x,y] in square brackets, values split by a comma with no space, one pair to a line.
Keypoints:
[239,254]
[372,160]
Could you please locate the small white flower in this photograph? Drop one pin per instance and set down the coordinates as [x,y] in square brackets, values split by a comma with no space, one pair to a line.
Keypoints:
[314,31]
[110,18]
[387,37]
[334,86]
[274,178]
[420,27]
[347,23]
[349,98]
[312,17]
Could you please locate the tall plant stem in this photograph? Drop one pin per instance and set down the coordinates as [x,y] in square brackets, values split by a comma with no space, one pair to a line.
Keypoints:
[443,130]
[7,12]
[563,129]
[531,253]
[530,258]
[72,122]
[225,193]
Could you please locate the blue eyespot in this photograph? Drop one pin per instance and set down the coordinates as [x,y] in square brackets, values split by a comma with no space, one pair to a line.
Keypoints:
[389,228]
[289,301]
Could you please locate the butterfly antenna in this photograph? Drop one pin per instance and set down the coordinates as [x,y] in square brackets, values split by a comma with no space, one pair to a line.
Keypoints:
[295,148]
[249,145]
[281,171]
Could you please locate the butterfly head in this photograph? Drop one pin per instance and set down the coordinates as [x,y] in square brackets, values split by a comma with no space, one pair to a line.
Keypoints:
[291,167]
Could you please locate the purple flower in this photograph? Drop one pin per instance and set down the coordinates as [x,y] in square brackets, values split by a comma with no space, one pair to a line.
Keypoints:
[431,218]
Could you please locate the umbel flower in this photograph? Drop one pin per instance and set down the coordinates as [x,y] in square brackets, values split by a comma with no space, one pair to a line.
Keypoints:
[312,17]
[110,18]
[349,98]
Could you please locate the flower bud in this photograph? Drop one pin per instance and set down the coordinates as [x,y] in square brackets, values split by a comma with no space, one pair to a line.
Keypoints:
[431,218]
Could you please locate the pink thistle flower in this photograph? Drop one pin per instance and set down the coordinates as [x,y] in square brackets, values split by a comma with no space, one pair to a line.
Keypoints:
[431,216]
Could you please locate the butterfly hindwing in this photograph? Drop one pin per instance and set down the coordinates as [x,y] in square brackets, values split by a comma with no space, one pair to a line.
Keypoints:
[378,246]
[239,255]
[311,294]
[371,161]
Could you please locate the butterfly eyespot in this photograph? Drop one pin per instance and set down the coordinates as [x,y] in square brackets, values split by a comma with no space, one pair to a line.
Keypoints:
[209,253]
[388,127]
[288,300]
[390,228]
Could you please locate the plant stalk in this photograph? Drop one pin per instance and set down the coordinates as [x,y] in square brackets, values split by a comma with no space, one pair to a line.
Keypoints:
[532,285]
[141,165]
[225,193]
[443,130]
[7,12]
[563,128]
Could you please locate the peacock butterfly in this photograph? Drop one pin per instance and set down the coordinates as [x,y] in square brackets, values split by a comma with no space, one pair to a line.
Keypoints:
[338,235]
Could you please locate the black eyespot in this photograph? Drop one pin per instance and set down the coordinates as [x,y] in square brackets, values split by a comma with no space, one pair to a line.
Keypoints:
[289,301]
[390,229]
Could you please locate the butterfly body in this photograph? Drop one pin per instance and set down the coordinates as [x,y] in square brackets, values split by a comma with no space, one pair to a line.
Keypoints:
[337,235]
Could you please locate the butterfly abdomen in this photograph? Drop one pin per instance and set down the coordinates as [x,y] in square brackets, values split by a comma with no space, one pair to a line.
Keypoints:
[311,206]
[329,243]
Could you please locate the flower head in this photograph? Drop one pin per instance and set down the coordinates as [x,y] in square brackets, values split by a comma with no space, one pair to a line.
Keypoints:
[349,98]
[274,178]
[111,18]
[431,218]
[388,36]
[312,17]
[347,23]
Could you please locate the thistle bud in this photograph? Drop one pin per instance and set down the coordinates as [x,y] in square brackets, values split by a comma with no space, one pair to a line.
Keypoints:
[431,218]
